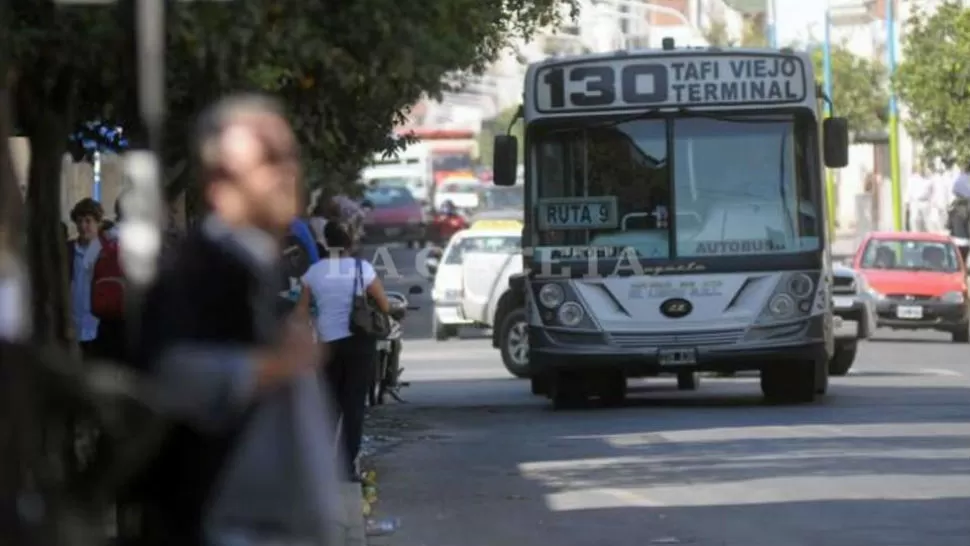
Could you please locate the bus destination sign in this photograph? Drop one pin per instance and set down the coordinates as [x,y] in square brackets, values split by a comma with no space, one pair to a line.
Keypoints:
[670,81]
[577,213]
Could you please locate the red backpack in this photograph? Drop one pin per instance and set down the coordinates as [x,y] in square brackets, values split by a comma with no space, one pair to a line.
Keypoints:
[108,283]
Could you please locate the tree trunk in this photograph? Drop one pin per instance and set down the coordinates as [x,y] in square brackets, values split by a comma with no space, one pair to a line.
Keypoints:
[47,252]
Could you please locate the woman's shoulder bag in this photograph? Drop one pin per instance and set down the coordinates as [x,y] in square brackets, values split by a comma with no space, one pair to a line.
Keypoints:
[365,318]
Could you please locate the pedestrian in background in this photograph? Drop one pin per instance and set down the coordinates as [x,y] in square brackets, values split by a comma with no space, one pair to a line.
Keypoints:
[958,218]
[336,282]
[82,253]
[250,460]
[919,200]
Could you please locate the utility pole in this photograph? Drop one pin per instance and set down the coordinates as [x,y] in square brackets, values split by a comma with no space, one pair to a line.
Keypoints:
[771,26]
[893,119]
[827,79]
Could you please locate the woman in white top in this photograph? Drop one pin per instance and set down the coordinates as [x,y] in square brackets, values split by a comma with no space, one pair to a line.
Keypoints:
[333,283]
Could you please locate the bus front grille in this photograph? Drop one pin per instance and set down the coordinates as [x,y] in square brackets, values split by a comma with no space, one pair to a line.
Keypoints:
[703,338]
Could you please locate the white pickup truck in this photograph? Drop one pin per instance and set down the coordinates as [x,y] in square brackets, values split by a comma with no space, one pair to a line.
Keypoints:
[488,302]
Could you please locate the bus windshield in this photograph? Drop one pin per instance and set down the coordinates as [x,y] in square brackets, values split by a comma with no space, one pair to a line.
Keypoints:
[735,185]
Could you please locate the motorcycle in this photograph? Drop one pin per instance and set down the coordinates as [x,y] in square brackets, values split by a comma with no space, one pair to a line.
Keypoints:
[387,376]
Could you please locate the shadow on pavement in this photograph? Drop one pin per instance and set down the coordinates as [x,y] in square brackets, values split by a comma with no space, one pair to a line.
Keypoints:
[858,470]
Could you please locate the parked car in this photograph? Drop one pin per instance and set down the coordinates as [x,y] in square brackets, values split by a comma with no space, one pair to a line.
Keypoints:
[463,193]
[855,316]
[450,291]
[395,216]
[918,280]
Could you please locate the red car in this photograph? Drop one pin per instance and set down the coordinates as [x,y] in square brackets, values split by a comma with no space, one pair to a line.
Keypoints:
[394,216]
[919,282]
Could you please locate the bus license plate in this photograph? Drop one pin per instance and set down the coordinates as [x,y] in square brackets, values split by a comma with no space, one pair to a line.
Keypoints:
[914,312]
[677,357]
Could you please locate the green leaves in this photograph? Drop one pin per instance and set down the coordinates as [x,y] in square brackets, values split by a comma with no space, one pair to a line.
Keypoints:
[346,70]
[859,88]
[933,81]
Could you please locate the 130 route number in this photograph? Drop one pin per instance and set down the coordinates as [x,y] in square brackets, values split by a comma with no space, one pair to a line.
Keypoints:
[600,83]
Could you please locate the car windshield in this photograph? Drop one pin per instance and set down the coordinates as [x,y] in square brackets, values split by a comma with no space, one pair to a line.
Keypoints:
[497,244]
[388,197]
[911,256]
[739,184]
[497,197]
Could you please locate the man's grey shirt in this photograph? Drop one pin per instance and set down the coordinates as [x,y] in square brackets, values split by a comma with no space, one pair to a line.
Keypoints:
[280,480]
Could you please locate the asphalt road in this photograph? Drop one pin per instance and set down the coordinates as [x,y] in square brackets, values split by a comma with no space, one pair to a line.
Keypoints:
[884,460]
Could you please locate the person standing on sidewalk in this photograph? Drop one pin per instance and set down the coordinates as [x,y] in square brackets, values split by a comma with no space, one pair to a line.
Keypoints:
[335,283]
[82,253]
[249,459]
[919,200]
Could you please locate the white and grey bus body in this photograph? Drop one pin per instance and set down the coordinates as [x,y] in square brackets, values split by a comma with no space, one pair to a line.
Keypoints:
[601,315]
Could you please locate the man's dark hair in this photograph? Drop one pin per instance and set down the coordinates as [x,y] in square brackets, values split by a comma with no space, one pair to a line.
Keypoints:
[216,118]
[87,207]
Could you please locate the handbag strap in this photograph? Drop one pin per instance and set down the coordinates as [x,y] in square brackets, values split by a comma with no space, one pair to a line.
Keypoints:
[358,275]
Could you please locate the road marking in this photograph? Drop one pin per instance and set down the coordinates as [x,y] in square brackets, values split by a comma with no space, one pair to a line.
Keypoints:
[940,372]
[634,499]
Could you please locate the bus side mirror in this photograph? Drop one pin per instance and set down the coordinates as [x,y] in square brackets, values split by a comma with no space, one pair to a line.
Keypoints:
[505,160]
[835,142]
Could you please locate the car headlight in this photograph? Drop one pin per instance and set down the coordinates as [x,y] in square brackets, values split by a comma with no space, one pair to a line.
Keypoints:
[551,295]
[781,305]
[952,297]
[570,314]
[800,285]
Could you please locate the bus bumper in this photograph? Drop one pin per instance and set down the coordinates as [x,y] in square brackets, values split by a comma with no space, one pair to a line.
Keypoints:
[548,353]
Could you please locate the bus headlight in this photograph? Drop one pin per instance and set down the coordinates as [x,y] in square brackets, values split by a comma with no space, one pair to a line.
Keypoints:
[551,295]
[570,314]
[781,305]
[800,285]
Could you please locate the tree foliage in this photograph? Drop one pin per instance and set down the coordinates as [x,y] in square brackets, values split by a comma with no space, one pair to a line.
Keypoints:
[933,81]
[499,125]
[718,33]
[859,84]
[860,88]
[346,71]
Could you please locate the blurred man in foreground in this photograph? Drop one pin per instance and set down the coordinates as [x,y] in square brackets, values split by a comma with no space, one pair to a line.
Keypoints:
[250,460]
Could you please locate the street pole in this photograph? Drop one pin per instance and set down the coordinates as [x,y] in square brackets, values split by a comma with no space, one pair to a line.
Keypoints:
[96,166]
[770,24]
[827,75]
[893,120]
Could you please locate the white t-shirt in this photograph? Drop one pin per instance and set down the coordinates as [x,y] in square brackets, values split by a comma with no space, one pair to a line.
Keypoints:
[331,281]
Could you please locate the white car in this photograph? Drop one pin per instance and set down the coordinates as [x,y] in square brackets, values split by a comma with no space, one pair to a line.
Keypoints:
[448,291]
[464,193]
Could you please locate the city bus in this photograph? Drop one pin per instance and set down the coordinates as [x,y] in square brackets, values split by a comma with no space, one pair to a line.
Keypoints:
[678,221]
